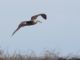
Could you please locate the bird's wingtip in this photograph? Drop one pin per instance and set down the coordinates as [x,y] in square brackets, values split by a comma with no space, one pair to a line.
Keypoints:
[44,16]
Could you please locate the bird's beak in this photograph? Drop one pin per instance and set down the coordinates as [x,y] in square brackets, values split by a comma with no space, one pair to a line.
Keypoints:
[39,21]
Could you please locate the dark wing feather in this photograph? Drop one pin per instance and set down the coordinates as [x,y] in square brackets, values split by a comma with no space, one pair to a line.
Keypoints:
[44,16]
[15,31]
[22,24]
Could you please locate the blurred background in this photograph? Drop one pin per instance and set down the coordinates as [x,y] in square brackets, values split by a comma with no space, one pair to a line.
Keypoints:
[60,32]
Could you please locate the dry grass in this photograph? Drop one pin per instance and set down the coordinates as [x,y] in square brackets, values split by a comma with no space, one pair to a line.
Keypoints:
[46,56]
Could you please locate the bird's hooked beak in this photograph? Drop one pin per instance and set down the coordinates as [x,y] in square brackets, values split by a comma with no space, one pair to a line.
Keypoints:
[39,21]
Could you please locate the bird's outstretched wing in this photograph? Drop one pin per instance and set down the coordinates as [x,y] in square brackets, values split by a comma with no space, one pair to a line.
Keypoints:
[15,31]
[42,15]
[22,24]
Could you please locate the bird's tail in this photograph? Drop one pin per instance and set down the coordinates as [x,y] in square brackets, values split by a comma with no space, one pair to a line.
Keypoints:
[15,31]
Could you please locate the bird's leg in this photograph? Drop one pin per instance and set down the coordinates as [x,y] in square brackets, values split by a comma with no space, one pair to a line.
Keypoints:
[39,21]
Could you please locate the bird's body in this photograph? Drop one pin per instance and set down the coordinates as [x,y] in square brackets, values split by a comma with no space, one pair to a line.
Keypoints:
[33,21]
[27,23]
[30,23]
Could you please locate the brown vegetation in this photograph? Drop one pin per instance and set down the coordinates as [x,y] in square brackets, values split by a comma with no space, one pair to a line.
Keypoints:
[46,56]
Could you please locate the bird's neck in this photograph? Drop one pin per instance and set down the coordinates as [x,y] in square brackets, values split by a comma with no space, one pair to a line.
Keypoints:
[35,21]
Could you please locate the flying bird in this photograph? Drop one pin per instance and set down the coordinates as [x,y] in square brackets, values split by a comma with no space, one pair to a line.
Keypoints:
[33,21]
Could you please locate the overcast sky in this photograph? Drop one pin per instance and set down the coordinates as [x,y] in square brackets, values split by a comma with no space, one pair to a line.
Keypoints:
[61,30]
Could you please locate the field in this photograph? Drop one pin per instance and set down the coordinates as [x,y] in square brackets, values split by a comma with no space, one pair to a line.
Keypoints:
[46,56]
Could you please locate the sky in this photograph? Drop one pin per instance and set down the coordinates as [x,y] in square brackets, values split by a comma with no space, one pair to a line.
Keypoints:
[60,32]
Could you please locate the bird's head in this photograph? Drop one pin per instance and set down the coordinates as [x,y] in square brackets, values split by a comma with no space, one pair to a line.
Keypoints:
[33,17]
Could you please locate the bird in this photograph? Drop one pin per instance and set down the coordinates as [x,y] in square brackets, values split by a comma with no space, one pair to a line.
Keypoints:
[32,21]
